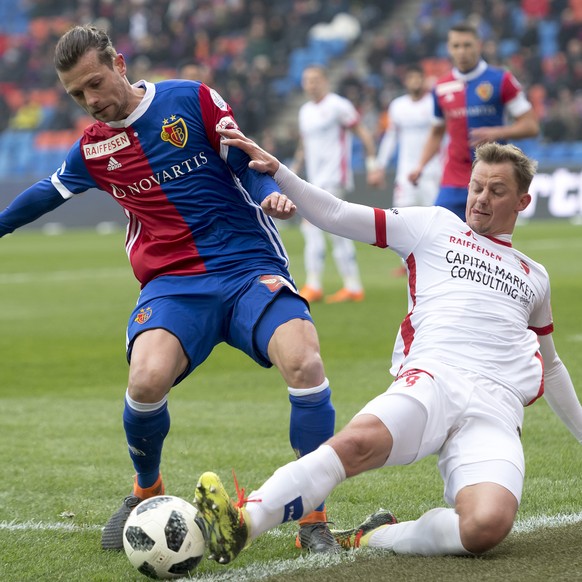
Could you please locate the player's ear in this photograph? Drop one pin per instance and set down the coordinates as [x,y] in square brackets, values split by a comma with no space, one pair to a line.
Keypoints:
[524,201]
[120,64]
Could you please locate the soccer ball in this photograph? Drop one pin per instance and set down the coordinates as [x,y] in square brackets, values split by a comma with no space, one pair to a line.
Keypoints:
[163,537]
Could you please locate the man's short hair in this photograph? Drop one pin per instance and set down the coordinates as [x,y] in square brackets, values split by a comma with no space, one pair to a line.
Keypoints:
[494,153]
[465,27]
[317,67]
[78,41]
[414,68]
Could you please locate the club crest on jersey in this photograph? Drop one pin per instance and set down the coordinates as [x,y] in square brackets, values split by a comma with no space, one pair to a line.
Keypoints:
[175,131]
[274,282]
[484,91]
[143,315]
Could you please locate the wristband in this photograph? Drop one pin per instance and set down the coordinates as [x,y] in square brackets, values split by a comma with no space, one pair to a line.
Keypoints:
[371,164]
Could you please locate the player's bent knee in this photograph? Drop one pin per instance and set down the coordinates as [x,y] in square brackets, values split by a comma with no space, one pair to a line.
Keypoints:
[361,449]
[483,530]
[294,349]
[146,394]
[302,368]
[149,383]
[309,371]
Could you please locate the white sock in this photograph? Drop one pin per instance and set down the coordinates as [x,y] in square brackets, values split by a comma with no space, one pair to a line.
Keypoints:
[294,490]
[313,254]
[436,533]
[344,254]
[313,280]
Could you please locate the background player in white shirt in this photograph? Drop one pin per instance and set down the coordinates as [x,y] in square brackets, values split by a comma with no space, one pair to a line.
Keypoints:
[410,119]
[326,123]
[474,349]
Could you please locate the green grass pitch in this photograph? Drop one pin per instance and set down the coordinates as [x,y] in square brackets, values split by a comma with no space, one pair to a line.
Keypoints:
[64,307]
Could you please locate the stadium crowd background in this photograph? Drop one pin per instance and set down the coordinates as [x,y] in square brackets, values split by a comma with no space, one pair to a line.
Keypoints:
[255,50]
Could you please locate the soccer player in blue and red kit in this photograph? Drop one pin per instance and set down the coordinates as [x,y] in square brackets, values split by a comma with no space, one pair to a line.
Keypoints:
[211,263]
[471,104]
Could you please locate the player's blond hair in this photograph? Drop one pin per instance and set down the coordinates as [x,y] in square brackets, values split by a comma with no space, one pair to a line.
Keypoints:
[78,41]
[494,153]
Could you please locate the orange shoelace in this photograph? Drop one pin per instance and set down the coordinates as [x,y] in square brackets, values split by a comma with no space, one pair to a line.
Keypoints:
[241,499]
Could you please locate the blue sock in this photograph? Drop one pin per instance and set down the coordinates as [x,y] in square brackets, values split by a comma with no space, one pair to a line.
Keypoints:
[312,422]
[145,433]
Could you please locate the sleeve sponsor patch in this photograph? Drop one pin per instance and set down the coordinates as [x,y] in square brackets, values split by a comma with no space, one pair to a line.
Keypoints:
[218,100]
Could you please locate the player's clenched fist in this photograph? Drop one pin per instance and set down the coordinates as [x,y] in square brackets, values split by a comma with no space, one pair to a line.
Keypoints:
[278,206]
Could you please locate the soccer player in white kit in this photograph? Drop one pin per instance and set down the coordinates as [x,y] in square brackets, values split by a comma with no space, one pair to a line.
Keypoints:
[473,350]
[326,124]
[410,120]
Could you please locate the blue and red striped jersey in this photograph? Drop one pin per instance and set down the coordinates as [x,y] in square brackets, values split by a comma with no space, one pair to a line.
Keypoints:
[463,102]
[193,204]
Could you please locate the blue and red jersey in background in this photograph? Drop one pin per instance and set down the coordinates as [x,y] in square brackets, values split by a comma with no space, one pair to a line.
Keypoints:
[481,98]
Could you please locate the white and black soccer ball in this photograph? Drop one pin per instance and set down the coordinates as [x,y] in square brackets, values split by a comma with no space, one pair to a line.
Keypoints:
[163,537]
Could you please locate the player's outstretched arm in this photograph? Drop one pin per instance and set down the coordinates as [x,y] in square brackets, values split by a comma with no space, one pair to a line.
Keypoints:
[318,206]
[524,126]
[261,161]
[31,204]
[275,205]
[559,389]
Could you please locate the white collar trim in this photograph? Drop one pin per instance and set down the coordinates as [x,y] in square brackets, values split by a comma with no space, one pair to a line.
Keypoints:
[472,74]
[150,92]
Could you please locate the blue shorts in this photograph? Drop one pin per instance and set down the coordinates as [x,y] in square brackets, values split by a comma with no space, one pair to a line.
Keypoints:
[205,310]
[454,199]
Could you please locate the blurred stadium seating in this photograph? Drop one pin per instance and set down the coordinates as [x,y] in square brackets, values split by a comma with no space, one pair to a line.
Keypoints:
[257,51]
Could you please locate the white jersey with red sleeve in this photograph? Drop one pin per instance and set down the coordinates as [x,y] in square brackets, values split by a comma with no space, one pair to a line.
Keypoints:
[327,141]
[474,302]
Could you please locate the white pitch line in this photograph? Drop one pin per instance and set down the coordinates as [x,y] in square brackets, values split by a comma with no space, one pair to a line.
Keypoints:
[521,525]
[258,572]
[274,567]
[303,562]
[32,525]
[543,521]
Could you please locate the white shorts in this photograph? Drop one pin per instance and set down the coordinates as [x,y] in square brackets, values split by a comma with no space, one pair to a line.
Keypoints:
[471,423]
